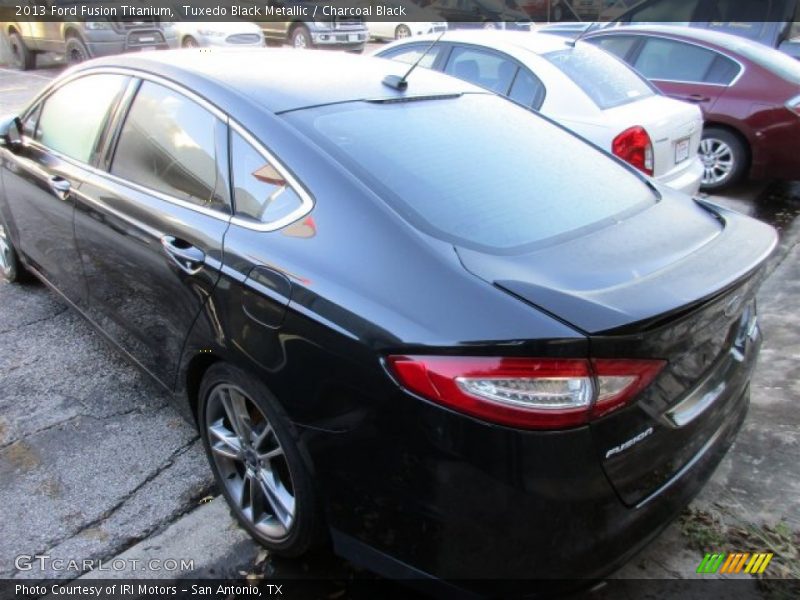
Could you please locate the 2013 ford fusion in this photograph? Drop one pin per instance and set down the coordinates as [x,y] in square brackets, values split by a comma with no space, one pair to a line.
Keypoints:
[400,316]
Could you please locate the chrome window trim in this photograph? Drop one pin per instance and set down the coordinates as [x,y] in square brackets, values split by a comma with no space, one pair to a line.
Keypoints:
[641,34]
[306,200]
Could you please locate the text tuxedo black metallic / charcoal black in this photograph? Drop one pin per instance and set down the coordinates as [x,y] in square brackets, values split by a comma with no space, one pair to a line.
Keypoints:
[436,328]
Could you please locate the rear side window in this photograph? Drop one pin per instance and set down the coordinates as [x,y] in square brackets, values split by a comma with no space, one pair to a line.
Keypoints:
[486,69]
[72,118]
[260,191]
[168,144]
[618,45]
[669,60]
[527,90]
[411,54]
[476,170]
[606,80]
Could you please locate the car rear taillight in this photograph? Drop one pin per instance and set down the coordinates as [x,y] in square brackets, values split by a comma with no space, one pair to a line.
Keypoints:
[634,146]
[794,105]
[528,393]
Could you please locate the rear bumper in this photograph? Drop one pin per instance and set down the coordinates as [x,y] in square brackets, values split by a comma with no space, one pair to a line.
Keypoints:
[685,180]
[430,494]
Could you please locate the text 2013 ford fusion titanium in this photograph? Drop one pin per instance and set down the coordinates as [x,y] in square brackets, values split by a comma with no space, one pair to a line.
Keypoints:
[401,317]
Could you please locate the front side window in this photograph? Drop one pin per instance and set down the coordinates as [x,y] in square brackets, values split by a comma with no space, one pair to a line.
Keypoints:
[73,116]
[168,145]
[618,45]
[29,124]
[260,192]
[486,69]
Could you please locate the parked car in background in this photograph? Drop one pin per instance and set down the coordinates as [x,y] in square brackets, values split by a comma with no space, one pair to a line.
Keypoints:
[427,307]
[488,14]
[417,21]
[582,88]
[79,41]
[567,29]
[192,34]
[322,32]
[749,94]
[773,23]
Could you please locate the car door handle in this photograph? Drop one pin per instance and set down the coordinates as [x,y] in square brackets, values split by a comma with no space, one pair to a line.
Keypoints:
[60,186]
[697,98]
[189,259]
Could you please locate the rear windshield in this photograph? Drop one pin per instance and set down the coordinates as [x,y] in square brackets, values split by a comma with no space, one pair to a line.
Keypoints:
[477,170]
[606,80]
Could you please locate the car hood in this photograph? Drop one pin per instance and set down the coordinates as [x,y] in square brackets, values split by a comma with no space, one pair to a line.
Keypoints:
[673,255]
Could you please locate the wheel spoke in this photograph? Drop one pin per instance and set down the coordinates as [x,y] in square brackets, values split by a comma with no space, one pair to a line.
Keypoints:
[236,409]
[227,443]
[236,488]
[267,456]
[262,437]
[278,497]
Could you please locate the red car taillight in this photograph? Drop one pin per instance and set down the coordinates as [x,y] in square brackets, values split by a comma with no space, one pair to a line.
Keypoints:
[528,393]
[634,146]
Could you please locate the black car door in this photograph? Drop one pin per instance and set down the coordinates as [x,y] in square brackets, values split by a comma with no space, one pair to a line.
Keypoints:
[150,228]
[44,179]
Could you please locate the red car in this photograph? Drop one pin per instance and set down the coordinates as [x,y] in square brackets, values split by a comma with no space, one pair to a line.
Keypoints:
[749,94]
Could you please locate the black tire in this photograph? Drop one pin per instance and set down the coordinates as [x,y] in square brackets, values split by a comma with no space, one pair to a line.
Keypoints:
[21,57]
[189,42]
[300,37]
[725,158]
[402,32]
[75,51]
[11,268]
[263,413]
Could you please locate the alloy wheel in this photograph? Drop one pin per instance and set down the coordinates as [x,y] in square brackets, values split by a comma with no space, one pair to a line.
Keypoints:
[300,40]
[6,256]
[251,461]
[718,160]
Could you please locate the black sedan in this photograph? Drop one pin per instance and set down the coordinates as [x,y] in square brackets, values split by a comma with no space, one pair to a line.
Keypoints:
[421,322]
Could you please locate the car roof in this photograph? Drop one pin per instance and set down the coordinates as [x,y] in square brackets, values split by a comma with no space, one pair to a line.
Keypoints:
[507,41]
[281,80]
[717,38]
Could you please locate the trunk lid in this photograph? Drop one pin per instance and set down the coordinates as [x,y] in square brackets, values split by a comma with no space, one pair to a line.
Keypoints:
[676,282]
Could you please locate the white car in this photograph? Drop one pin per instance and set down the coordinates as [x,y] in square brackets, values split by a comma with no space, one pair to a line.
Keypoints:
[419,21]
[581,87]
[193,34]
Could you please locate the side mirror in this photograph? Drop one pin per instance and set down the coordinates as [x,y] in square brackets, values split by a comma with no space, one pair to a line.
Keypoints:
[11,134]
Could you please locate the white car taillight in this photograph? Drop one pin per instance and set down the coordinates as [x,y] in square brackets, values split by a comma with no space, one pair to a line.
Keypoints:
[529,393]
[635,147]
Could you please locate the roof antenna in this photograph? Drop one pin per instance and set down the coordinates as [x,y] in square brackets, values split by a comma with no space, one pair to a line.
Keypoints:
[583,33]
[399,83]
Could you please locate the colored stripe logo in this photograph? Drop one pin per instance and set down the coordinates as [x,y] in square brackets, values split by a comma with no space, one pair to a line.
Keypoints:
[736,562]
